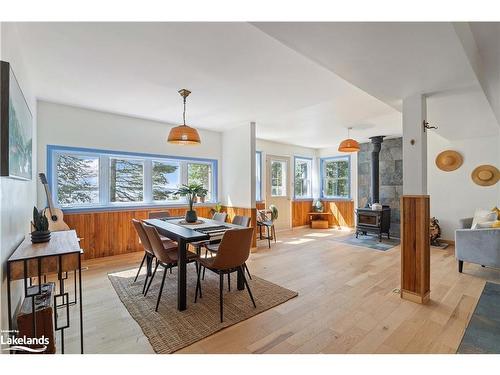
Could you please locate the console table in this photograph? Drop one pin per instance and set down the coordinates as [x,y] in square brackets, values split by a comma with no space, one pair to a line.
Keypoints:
[60,255]
[319,220]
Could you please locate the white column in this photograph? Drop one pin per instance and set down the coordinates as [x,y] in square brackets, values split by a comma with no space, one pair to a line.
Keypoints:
[252,164]
[414,146]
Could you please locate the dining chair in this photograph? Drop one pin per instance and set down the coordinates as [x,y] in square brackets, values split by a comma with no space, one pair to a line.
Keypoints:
[232,254]
[243,221]
[266,221]
[165,256]
[220,216]
[158,214]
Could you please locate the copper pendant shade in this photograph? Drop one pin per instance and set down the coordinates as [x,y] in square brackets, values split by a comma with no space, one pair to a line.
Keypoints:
[349,144]
[183,134]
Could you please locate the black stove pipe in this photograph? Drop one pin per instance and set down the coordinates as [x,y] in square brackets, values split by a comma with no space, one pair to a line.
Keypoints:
[375,164]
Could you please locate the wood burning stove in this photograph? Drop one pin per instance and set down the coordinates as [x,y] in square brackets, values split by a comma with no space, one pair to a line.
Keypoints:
[368,220]
[373,221]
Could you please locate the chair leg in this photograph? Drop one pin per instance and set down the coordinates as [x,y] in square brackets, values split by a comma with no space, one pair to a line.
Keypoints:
[274,233]
[221,300]
[161,289]
[151,279]
[229,281]
[268,237]
[248,287]
[149,261]
[140,267]
[460,266]
[206,256]
[246,269]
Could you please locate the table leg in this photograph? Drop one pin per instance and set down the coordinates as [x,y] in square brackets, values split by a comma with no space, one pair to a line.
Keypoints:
[181,275]
[81,303]
[241,282]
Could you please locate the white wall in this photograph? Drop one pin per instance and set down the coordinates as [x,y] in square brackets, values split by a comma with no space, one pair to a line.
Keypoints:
[78,127]
[333,151]
[238,166]
[453,194]
[17,198]
[282,149]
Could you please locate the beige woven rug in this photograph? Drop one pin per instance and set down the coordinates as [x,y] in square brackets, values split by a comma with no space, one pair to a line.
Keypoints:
[168,329]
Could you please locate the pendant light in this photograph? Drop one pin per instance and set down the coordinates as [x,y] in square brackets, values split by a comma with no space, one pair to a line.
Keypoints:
[183,134]
[349,145]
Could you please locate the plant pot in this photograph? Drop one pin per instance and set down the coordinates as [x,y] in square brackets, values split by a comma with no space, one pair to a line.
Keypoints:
[40,236]
[191,216]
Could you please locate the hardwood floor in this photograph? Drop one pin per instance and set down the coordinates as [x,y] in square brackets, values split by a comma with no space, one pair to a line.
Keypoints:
[346,303]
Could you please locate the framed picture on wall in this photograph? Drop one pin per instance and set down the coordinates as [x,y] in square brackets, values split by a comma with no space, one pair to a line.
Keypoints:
[16,127]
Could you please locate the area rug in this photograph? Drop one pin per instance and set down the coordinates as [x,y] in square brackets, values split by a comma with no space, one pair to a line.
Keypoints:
[369,241]
[169,330]
[482,335]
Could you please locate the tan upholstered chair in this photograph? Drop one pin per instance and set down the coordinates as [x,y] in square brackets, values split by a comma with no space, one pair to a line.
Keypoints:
[159,214]
[220,216]
[244,221]
[165,256]
[232,254]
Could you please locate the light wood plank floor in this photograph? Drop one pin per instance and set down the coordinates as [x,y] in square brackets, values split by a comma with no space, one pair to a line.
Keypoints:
[346,303]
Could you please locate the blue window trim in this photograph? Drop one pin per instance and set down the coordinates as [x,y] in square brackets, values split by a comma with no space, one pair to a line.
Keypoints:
[260,177]
[330,158]
[52,149]
[295,157]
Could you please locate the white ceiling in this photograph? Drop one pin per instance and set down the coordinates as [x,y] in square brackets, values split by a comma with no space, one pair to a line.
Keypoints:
[303,83]
[392,61]
[236,72]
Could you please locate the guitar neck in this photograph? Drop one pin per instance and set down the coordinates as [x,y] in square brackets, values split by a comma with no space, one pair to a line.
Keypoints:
[50,203]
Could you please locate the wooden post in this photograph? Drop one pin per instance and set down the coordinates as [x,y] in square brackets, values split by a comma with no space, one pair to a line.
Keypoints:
[415,248]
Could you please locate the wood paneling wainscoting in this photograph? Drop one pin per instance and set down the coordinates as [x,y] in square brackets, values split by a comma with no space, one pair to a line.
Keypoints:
[300,210]
[260,205]
[106,233]
[342,212]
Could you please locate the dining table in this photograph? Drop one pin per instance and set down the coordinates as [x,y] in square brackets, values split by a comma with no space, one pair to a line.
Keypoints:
[177,229]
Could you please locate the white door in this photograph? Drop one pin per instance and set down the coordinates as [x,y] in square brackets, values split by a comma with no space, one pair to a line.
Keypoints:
[278,185]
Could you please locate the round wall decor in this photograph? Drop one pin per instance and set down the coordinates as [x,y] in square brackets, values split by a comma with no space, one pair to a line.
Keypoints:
[449,160]
[485,175]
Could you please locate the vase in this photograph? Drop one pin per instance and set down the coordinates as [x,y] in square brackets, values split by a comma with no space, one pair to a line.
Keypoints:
[38,236]
[191,216]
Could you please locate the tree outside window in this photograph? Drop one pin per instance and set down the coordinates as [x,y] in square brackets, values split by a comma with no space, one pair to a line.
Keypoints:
[336,177]
[126,180]
[77,180]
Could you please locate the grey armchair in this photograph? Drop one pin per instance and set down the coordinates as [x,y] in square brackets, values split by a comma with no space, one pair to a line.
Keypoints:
[480,246]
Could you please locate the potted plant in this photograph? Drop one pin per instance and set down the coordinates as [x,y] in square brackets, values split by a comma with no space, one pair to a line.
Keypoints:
[40,226]
[190,192]
[217,208]
[318,206]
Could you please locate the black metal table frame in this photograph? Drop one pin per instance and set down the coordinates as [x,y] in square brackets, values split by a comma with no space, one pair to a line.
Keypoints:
[182,248]
[62,294]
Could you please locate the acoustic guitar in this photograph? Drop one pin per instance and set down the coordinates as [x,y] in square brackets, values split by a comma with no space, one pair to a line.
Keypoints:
[54,215]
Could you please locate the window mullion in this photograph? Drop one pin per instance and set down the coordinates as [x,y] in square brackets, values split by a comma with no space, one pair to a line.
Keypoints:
[148,181]
[104,180]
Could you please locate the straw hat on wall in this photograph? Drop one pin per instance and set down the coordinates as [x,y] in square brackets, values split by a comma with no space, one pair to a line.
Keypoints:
[485,175]
[449,160]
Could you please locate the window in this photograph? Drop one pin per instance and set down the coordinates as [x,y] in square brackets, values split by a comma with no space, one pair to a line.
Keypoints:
[200,174]
[302,186]
[77,179]
[278,178]
[258,176]
[85,178]
[126,183]
[165,178]
[336,177]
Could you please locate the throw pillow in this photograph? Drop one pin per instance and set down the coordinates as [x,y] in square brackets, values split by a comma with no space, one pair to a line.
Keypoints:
[497,210]
[481,216]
